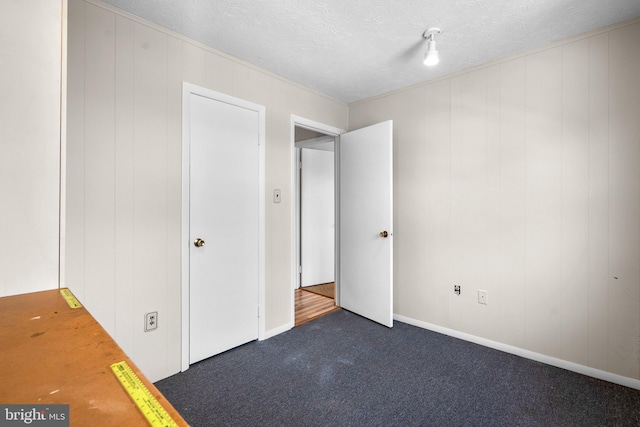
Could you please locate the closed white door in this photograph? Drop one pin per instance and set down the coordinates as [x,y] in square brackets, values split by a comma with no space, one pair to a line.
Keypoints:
[224,226]
[366,221]
[317,217]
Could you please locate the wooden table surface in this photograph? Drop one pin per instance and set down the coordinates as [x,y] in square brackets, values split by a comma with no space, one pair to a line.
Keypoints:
[53,354]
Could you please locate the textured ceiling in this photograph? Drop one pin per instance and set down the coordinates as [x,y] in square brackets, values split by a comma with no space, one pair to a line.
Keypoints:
[353,49]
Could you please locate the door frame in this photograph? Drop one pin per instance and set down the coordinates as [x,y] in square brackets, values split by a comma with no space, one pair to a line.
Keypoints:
[297,121]
[187,90]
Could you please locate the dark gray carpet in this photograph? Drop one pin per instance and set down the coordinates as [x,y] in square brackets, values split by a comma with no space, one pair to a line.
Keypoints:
[343,370]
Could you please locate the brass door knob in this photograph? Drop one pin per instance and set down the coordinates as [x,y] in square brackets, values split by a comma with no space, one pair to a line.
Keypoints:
[384,234]
[198,242]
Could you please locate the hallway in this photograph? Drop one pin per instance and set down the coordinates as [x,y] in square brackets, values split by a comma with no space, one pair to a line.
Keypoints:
[309,306]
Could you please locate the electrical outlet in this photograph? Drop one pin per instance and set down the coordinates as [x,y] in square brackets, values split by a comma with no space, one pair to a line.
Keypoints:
[482,296]
[456,289]
[150,321]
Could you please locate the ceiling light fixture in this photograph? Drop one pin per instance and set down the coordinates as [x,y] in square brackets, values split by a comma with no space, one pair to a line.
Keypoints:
[431,57]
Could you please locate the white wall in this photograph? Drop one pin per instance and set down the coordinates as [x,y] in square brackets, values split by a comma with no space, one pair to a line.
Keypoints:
[30,55]
[520,178]
[123,202]
[523,178]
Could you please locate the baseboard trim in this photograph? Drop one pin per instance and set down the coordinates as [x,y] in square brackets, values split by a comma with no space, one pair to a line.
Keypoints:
[527,354]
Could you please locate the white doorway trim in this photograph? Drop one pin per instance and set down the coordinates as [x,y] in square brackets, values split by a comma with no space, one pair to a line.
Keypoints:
[187,90]
[331,131]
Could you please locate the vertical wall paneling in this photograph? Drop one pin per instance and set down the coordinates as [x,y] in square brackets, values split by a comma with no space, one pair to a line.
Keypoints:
[493,284]
[219,74]
[99,149]
[173,312]
[278,131]
[598,322]
[512,204]
[468,203]
[370,113]
[457,303]
[624,201]
[194,64]
[575,204]
[531,181]
[123,221]
[248,84]
[472,227]
[124,197]
[75,212]
[30,45]
[150,186]
[562,169]
[409,199]
[543,206]
[437,220]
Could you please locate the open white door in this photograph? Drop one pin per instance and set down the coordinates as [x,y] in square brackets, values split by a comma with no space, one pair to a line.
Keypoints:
[366,221]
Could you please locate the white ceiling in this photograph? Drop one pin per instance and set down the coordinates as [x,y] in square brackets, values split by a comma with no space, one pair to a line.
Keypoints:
[353,49]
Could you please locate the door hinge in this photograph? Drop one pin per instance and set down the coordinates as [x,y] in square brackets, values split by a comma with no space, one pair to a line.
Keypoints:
[258,311]
[299,269]
[300,165]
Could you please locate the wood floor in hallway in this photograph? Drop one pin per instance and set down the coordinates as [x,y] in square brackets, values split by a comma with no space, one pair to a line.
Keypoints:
[309,306]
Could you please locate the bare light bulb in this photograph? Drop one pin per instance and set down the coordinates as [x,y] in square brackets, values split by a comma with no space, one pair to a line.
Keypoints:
[431,57]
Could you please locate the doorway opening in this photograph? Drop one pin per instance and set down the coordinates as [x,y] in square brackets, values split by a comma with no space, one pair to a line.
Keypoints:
[315,290]
[363,215]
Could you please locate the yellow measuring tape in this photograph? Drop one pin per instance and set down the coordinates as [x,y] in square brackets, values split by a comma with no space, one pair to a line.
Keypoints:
[150,407]
[71,300]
